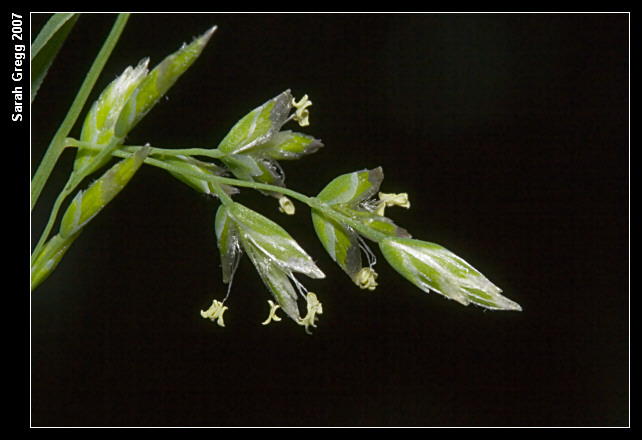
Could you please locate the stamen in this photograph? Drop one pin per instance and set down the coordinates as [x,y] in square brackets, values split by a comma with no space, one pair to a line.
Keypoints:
[365,279]
[386,200]
[286,206]
[302,114]
[215,312]
[314,308]
[272,316]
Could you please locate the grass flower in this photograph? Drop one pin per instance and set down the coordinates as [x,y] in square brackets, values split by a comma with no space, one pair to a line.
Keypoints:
[274,253]
[158,82]
[100,123]
[351,196]
[256,143]
[88,203]
[434,268]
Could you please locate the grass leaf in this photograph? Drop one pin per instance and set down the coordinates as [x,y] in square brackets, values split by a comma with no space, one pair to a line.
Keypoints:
[46,45]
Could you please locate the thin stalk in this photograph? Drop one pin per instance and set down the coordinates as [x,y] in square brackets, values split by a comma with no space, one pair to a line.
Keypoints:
[207,152]
[212,153]
[312,202]
[225,199]
[57,144]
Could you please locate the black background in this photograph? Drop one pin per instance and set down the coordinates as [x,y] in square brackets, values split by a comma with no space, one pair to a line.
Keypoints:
[508,131]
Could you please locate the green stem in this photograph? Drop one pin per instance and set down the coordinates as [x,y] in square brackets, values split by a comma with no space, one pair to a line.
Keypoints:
[57,144]
[212,153]
[127,151]
[225,199]
[74,180]
[312,202]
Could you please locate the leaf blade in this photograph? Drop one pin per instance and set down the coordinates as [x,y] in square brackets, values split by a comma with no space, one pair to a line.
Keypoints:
[46,46]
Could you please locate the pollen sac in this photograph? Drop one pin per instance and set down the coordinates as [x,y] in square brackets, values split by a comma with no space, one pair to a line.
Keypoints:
[272,315]
[365,279]
[302,114]
[286,206]
[314,308]
[215,313]
[158,82]
[87,204]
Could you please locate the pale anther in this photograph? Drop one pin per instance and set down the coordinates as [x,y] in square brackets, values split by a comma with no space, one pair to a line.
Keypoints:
[365,279]
[215,313]
[391,199]
[286,206]
[302,114]
[314,308]
[272,316]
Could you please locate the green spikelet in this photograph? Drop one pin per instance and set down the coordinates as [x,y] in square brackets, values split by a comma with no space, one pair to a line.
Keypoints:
[90,202]
[98,128]
[158,82]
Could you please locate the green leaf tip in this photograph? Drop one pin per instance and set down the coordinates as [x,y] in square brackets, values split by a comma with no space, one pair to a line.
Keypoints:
[46,45]
[157,83]
[48,258]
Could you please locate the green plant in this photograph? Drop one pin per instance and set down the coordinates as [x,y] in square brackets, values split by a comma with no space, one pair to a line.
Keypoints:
[346,214]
